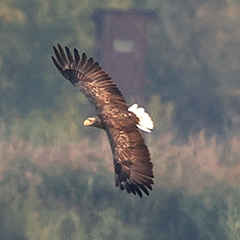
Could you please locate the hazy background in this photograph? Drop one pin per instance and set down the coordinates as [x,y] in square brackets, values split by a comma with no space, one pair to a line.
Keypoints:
[56,177]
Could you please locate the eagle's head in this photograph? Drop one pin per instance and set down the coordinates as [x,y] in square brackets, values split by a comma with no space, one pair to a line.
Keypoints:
[93,122]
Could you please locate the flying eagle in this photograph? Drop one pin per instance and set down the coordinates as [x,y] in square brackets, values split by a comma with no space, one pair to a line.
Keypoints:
[131,158]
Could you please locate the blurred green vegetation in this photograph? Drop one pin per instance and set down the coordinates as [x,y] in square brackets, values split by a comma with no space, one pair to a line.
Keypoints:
[56,179]
[75,204]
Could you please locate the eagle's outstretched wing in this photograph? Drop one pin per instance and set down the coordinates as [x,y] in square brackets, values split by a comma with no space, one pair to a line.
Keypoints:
[131,156]
[89,77]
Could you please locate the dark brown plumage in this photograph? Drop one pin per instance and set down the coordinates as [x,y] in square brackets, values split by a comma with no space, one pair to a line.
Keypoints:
[133,168]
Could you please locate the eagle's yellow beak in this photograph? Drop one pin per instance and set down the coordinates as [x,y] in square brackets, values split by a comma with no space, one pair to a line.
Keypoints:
[89,121]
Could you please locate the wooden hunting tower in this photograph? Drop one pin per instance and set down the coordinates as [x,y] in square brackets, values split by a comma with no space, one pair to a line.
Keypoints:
[122,47]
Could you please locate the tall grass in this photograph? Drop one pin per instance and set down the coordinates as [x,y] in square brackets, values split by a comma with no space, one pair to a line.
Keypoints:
[65,190]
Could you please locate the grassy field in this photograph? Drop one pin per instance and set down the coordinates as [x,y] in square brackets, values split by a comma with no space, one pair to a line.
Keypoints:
[65,190]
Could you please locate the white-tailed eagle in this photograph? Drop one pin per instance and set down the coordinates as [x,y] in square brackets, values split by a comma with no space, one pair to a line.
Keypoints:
[132,163]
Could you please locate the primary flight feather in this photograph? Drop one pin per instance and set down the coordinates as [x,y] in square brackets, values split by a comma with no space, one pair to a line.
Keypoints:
[132,164]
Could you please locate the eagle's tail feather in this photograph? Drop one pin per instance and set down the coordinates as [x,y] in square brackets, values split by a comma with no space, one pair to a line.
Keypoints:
[145,122]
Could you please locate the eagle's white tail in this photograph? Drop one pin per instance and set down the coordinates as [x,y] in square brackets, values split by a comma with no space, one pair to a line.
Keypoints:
[145,122]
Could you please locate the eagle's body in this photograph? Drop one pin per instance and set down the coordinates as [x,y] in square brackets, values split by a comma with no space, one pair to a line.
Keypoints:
[131,157]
